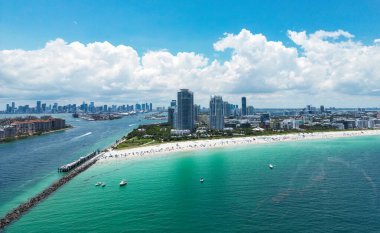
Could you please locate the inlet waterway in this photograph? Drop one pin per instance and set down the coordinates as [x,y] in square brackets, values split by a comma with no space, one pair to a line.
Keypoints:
[27,166]
[316,186]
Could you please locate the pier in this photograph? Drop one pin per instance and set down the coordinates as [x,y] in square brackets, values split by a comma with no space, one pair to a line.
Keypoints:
[24,207]
[70,166]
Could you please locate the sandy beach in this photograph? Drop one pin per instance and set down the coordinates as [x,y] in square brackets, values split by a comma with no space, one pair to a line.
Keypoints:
[181,146]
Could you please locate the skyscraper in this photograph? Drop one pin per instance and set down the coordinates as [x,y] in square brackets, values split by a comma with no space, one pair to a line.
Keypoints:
[13,107]
[243,106]
[38,107]
[184,116]
[216,113]
[322,109]
[44,107]
[171,116]
[173,103]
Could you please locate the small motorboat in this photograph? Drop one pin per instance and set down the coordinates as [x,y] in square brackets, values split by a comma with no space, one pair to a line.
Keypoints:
[123,182]
[201,179]
[103,185]
[271,166]
[98,183]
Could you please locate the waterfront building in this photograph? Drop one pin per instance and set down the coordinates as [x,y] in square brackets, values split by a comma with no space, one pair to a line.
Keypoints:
[150,107]
[57,123]
[361,124]
[184,114]
[216,113]
[13,110]
[243,106]
[180,132]
[8,109]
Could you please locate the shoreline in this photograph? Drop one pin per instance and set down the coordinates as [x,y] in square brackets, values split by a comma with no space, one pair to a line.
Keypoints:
[193,145]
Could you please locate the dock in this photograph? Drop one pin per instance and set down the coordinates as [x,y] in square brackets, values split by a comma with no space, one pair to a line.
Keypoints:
[70,166]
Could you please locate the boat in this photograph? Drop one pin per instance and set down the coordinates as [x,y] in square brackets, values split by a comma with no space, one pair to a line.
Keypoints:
[98,183]
[271,166]
[103,185]
[123,182]
[201,180]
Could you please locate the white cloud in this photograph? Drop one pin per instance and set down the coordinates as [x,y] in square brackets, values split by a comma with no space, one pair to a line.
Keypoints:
[323,68]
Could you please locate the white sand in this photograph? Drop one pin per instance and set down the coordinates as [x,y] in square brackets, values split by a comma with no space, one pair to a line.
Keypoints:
[165,148]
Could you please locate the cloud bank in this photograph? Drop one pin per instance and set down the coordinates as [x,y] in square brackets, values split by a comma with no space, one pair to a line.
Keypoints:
[323,67]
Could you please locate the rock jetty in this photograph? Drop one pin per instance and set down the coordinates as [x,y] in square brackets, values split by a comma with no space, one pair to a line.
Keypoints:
[24,207]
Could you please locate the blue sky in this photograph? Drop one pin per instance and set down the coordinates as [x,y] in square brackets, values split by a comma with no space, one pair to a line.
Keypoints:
[277,53]
[177,25]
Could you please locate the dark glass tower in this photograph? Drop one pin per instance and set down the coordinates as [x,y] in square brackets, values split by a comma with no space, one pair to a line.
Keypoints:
[185,110]
[243,106]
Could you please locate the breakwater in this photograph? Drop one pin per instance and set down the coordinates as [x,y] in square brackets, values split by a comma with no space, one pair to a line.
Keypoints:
[24,207]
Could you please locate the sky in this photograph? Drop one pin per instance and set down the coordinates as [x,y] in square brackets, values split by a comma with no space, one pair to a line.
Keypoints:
[276,53]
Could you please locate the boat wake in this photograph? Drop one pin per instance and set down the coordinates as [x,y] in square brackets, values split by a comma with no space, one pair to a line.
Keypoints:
[84,135]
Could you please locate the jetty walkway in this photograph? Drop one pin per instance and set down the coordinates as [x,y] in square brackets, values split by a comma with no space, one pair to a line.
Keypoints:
[70,166]
[24,207]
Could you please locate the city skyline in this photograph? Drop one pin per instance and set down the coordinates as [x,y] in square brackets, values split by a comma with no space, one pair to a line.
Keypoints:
[276,54]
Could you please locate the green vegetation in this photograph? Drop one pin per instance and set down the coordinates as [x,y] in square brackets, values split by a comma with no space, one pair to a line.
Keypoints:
[144,135]
[158,133]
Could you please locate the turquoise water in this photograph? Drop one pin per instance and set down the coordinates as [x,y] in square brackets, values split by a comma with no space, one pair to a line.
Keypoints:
[316,186]
[29,165]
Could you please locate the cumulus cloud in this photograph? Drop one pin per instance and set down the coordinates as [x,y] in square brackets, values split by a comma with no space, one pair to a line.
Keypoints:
[323,65]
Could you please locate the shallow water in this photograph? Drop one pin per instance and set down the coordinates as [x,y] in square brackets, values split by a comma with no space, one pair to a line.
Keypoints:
[316,186]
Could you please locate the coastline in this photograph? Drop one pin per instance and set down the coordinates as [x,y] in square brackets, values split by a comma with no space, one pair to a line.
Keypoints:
[7,140]
[192,145]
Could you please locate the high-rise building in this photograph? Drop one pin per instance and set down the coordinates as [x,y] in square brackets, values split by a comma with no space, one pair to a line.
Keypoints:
[43,106]
[197,110]
[173,103]
[38,107]
[226,108]
[150,107]
[184,114]
[92,107]
[243,106]
[171,116]
[13,107]
[322,109]
[216,113]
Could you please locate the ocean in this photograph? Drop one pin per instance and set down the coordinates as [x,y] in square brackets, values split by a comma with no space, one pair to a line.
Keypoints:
[315,186]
